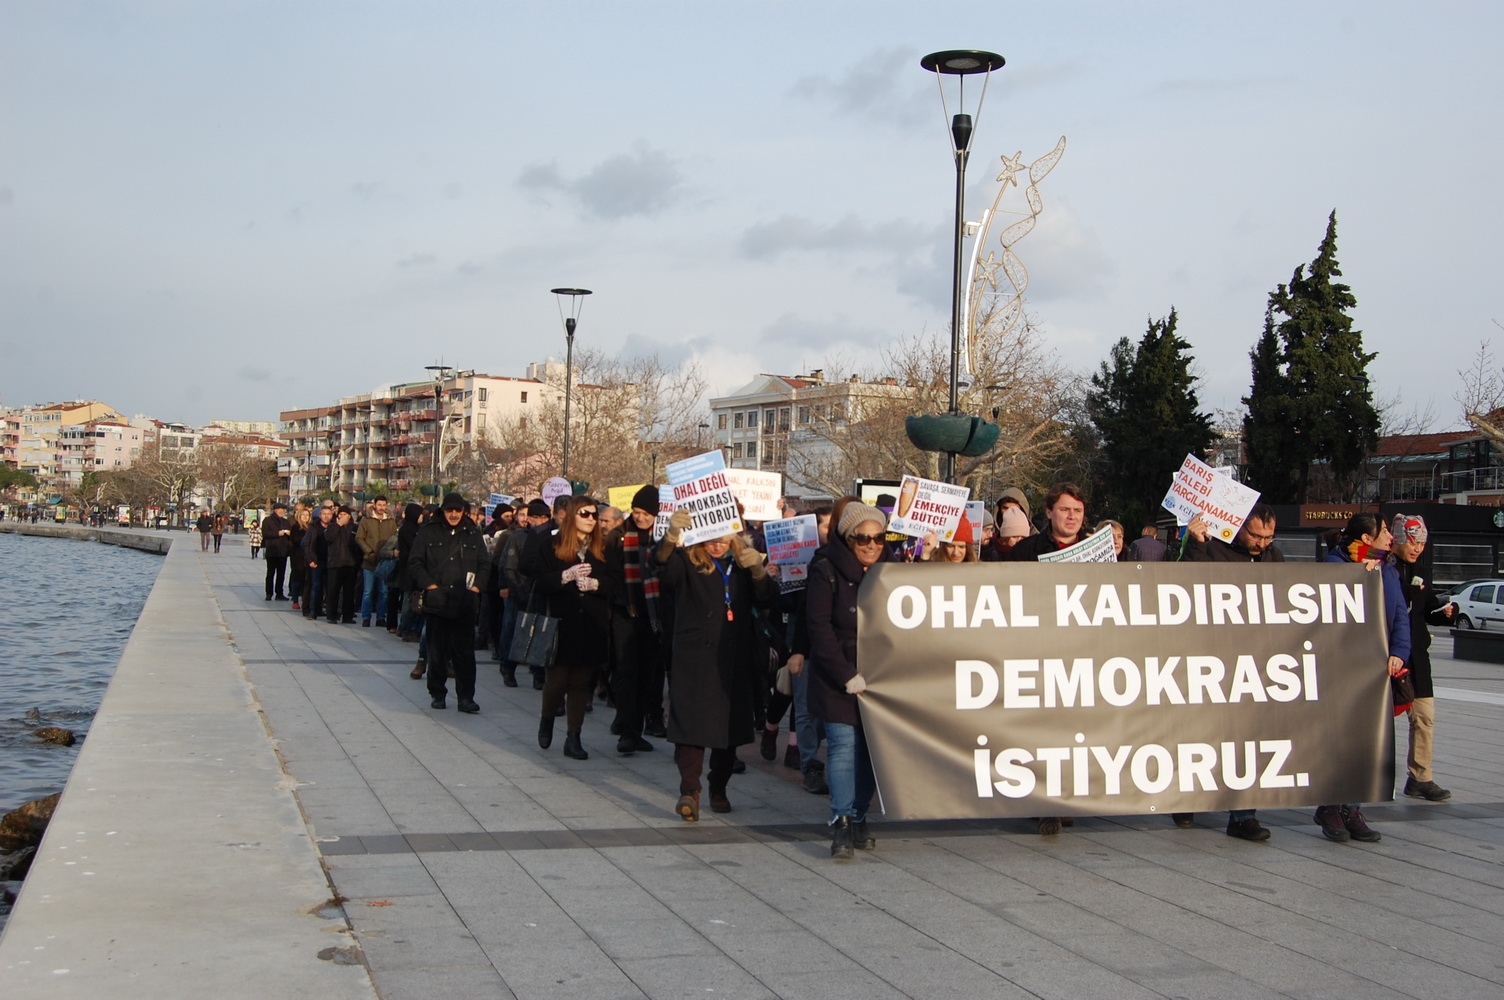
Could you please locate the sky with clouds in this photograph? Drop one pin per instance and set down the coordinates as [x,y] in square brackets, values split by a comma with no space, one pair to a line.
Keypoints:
[229,208]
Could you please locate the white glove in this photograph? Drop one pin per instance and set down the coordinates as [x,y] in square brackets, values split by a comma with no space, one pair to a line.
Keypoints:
[856,685]
[587,583]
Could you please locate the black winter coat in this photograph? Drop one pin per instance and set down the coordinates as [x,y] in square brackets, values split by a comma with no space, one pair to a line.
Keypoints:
[714,664]
[276,543]
[443,555]
[584,617]
[830,618]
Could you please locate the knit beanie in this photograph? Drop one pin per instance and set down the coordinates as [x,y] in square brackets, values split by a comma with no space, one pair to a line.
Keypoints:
[539,508]
[646,499]
[858,513]
[1408,528]
[1014,525]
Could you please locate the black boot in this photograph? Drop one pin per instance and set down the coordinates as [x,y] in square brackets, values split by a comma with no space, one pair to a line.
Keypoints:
[860,838]
[546,731]
[508,675]
[572,747]
[841,847]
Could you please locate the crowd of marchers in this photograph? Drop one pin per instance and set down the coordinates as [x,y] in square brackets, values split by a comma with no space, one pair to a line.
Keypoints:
[698,645]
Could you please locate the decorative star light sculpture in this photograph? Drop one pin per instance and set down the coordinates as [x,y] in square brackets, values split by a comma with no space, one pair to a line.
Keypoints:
[1000,280]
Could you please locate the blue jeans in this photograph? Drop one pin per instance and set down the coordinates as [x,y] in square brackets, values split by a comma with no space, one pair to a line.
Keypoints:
[374,585]
[314,585]
[848,771]
[808,728]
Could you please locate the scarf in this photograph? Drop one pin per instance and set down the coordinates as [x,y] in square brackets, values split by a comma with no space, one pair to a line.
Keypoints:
[1358,552]
[642,591]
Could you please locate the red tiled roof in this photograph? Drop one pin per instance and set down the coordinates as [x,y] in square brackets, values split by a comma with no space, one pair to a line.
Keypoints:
[1401,445]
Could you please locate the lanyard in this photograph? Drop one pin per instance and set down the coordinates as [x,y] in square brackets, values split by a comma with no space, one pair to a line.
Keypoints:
[725,584]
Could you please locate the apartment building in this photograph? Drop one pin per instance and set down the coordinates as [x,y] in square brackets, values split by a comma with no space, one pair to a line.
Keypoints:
[389,435]
[778,422]
[39,431]
[98,446]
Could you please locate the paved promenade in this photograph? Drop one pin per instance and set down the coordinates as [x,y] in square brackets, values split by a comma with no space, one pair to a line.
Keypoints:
[472,864]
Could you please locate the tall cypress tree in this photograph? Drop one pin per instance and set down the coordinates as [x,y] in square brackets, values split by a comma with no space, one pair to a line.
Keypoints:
[1310,400]
[1144,405]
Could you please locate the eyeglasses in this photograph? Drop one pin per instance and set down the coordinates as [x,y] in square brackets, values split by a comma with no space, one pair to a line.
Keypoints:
[585,513]
[860,539]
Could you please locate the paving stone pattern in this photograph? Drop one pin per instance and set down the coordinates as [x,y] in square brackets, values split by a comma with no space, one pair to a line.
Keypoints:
[476,865]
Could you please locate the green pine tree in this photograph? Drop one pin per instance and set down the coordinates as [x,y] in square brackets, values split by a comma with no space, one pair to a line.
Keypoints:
[1145,407]
[1310,400]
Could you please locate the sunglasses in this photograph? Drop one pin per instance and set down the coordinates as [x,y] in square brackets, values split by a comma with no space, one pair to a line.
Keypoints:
[585,513]
[860,539]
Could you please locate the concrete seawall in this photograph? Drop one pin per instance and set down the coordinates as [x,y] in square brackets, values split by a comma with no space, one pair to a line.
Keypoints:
[178,863]
[130,538]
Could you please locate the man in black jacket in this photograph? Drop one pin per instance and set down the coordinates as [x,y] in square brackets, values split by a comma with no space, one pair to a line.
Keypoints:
[276,538]
[1065,510]
[636,630]
[449,565]
[1254,542]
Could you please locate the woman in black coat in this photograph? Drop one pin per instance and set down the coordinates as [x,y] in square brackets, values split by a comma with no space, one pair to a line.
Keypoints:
[835,679]
[713,664]
[408,624]
[572,567]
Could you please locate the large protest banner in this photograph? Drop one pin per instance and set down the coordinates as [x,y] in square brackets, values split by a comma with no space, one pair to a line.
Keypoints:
[1063,689]
[700,486]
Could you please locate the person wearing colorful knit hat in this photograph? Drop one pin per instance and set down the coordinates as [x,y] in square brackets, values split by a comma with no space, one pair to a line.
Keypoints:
[1426,608]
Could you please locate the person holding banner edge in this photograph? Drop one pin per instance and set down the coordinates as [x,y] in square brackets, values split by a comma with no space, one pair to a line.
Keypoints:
[713,585]
[1254,542]
[1366,540]
[1410,535]
[836,682]
[1065,514]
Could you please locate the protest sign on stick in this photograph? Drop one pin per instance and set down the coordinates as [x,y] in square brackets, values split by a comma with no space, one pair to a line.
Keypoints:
[791,544]
[1221,500]
[700,486]
[925,505]
[758,491]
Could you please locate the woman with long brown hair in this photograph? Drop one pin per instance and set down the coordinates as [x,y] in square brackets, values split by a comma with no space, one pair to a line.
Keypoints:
[714,586]
[572,570]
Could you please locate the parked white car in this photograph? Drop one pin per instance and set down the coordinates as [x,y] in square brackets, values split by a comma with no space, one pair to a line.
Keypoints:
[1479,603]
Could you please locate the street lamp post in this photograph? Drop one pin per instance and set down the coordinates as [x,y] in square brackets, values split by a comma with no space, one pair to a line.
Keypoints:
[959,63]
[576,297]
[440,373]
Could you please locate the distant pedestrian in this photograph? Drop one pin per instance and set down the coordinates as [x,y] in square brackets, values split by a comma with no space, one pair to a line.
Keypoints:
[204,525]
[220,524]
[253,535]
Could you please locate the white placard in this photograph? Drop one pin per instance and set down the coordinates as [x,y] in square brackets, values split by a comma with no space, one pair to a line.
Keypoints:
[1101,547]
[1221,500]
[792,542]
[700,486]
[925,505]
[758,491]
[555,488]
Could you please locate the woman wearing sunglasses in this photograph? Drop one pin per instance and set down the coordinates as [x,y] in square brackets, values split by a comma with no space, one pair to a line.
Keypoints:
[572,568]
[835,680]
[714,664]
